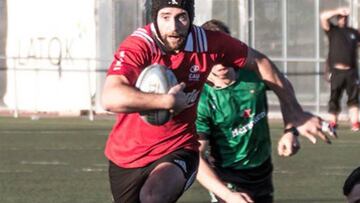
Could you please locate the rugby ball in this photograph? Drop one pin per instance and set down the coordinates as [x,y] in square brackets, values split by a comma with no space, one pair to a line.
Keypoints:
[156,78]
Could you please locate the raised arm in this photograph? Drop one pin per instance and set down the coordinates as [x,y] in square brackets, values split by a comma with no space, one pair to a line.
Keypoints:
[276,81]
[327,14]
[307,124]
[120,97]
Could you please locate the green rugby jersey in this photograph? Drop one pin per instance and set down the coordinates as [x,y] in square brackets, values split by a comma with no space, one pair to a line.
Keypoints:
[234,119]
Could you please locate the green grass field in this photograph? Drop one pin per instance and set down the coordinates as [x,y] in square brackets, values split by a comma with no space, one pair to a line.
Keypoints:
[58,160]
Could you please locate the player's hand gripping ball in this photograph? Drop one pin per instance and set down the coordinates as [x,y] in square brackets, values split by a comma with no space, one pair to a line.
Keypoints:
[156,78]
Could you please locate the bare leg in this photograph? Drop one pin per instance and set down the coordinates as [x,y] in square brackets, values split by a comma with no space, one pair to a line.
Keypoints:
[354,118]
[165,184]
[333,118]
[354,114]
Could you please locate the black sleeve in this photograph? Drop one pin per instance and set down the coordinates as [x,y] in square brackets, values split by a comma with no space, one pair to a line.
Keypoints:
[332,26]
[357,35]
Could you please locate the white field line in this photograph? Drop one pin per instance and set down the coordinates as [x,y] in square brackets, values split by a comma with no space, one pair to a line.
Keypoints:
[89,170]
[338,168]
[97,168]
[327,171]
[101,165]
[284,172]
[43,163]
[16,171]
[334,174]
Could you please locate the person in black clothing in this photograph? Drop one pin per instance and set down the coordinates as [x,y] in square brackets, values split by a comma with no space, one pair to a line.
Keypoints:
[342,64]
[351,188]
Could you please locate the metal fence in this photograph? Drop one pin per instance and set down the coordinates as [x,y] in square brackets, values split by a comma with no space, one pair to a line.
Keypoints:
[286,31]
[70,86]
[92,76]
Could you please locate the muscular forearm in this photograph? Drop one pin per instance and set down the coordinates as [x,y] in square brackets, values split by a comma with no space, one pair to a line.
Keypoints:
[207,177]
[276,81]
[128,99]
[120,97]
[289,105]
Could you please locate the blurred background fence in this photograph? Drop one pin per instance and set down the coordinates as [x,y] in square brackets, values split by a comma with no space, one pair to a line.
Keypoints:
[67,87]
[54,54]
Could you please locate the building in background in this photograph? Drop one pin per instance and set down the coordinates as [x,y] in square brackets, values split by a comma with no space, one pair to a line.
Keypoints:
[3,38]
[50,55]
[54,54]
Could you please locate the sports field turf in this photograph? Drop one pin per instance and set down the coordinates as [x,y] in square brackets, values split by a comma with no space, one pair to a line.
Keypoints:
[58,160]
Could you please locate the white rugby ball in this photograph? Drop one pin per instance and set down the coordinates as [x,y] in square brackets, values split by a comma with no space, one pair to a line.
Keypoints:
[156,78]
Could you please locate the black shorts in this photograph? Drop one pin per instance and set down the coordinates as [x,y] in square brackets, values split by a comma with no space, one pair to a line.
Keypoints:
[126,183]
[343,80]
[256,181]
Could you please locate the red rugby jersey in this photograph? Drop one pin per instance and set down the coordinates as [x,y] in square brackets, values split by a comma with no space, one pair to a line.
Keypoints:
[134,143]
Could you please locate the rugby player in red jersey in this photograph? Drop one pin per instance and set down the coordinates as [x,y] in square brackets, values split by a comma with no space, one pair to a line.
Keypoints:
[158,163]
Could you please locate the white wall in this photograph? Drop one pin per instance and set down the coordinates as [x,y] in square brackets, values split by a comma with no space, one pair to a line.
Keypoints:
[203,7]
[40,32]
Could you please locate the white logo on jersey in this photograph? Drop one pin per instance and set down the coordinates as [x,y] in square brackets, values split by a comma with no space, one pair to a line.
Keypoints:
[192,96]
[194,73]
[182,164]
[120,61]
[117,65]
[194,69]
[243,129]
[122,54]
[352,36]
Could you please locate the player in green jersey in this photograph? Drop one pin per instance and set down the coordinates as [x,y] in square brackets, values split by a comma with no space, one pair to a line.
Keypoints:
[232,122]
